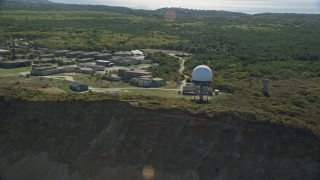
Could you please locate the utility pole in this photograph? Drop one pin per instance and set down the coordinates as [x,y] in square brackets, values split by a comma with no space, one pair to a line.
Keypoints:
[13,52]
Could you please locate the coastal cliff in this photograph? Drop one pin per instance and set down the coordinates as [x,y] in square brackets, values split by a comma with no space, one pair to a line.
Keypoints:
[111,139]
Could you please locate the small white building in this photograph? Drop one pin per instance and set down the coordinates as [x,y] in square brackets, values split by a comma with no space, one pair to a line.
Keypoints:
[137,53]
[104,63]
[4,51]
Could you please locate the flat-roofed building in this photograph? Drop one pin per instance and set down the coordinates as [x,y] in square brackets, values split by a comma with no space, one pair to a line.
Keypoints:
[125,61]
[44,56]
[45,60]
[85,60]
[86,70]
[88,55]
[44,70]
[61,53]
[73,54]
[15,64]
[104,56]
[157,82]
[145,82]
[20,56]
[134,73]
[92,66]
[120,53]
[104,63]
[146,61]
[4,51]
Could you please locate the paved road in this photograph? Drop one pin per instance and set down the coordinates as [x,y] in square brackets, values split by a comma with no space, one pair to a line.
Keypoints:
[129,88]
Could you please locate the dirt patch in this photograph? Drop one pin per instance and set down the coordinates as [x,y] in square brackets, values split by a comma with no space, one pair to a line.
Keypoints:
[52,90]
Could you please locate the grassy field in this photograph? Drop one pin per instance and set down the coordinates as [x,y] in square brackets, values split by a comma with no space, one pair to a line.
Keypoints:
[37,83]
[14,70]
[152,92]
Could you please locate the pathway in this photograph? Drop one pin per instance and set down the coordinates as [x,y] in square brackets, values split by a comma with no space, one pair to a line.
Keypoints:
[182,67]
[68,78]
[129,88]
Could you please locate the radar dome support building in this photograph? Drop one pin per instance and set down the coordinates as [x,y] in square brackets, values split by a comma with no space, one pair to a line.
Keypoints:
[202,76]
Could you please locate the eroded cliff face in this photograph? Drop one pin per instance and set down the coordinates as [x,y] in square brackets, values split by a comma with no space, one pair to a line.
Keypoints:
[115,140]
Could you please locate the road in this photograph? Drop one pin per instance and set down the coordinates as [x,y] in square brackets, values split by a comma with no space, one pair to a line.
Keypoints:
[102,90]
[182,67]
[68,78]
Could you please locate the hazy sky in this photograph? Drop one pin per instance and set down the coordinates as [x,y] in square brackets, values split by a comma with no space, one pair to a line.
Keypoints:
[248,6]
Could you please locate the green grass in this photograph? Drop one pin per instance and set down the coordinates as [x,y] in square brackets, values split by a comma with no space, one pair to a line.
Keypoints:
[152,92]
[38,83]
[14,70]
[93,81]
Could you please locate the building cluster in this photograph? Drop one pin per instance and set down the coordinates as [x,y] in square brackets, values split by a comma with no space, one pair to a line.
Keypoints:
[89,63]
[48,69]
[18,60]
[92,66]
[141,78]
[120,58]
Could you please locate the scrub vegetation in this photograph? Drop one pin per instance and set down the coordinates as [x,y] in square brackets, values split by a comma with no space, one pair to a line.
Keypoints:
[241,49]
[167,67]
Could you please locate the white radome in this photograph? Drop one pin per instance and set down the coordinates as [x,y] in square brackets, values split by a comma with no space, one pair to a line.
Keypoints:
[202,73]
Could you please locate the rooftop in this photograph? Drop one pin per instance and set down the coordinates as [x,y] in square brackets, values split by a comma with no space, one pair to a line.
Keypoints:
[4,51]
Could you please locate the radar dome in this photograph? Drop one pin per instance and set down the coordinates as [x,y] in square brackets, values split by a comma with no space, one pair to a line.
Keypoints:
[202,73]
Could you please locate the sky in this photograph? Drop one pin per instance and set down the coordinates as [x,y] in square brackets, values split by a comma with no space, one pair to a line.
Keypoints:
[246,6]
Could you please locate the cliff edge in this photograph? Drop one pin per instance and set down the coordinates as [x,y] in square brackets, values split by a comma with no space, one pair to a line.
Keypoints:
[111,139]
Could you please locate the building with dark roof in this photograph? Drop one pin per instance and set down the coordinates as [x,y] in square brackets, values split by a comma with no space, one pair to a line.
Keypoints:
[120,53]
[103,63]
[61,53]
[46,56]
[134,73]
[105,56]
[20,56]
[125,61]
[15,64]
[73,54]
[92,66]
[66,63]
[45,60]
[79,87]
[157,82]
[85,60]
[88,55]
